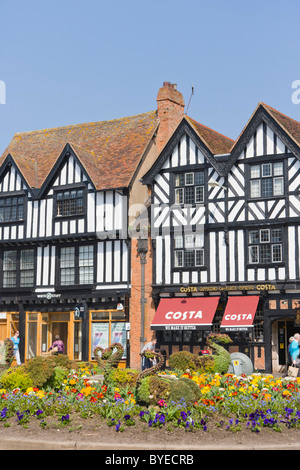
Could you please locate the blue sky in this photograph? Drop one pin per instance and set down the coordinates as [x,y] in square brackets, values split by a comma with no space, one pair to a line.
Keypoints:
[70,61]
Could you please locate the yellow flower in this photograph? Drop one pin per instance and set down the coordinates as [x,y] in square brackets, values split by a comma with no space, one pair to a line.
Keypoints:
[72,382]
[86,391]
[267,396]
[2,391]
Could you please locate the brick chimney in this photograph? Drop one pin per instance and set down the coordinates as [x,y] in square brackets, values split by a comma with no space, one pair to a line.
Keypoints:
[170,111]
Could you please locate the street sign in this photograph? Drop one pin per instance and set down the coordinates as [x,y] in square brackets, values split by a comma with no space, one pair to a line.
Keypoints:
[80,309]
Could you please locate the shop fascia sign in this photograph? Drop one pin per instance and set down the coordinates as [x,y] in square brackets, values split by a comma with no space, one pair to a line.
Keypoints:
[48,295]
[221,288]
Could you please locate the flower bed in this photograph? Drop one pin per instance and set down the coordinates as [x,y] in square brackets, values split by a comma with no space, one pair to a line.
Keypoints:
[228,402]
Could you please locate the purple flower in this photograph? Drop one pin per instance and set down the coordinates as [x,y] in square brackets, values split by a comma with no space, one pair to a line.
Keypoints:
[3,413]
[118,426]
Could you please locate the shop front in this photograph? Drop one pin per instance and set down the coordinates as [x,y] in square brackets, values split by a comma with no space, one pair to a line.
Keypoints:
[183,324]
[82,324]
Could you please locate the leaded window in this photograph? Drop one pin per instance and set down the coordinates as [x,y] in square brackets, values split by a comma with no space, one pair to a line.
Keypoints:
[266,180]
[11,209]
[188,250]
[69,202]
[189,187]
[265,246]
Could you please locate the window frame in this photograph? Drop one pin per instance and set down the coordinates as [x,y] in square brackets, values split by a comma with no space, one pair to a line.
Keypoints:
[76,266]
[184,249]
[11,196]
[181,183]
[19,270]
[69,189]
[261,245]
[261,184]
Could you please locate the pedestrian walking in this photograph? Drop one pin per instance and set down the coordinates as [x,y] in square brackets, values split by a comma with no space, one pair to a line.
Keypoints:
[16,341]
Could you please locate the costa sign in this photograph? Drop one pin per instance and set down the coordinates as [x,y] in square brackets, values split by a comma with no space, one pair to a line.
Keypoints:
[185,313]
[239,313]
[190,315]
[239,317]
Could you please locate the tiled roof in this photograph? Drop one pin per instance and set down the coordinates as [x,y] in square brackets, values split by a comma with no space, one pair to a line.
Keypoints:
[110,151]
[291,126]
[216,142]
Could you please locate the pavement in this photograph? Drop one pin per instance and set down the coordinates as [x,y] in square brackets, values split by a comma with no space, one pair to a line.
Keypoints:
[11,443]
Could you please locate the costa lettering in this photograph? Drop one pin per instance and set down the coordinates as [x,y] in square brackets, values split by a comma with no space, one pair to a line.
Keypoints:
[238,317]
[190,315]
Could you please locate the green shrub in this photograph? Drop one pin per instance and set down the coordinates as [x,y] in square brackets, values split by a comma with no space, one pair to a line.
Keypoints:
[182,360]
[193,386]
[62,360]
[40,370]
[15,378]
[181,390]
[144,391]
[56,380]
[123,377]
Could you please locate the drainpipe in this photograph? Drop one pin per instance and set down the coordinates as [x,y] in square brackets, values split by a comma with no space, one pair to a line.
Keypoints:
[142,248]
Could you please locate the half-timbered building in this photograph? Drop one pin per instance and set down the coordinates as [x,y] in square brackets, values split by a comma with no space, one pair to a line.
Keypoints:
[65,254]
[226,237]
[68,265]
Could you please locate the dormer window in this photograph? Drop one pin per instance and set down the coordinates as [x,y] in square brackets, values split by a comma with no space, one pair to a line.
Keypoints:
[11,209]
[70,202]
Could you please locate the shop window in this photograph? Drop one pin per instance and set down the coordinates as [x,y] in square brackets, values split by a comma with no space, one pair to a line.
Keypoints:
[32,324]
[107,327]
[77,353]
[258,326]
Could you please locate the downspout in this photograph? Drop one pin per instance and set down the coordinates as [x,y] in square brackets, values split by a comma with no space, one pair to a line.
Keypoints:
[142,249]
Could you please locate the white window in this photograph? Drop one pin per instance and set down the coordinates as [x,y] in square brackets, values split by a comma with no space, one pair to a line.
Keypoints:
[266,180]
[278,186]
[188,250]
[265,246]
[255,188]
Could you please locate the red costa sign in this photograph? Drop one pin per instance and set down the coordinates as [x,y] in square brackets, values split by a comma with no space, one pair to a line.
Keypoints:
[240,312]
[185,313]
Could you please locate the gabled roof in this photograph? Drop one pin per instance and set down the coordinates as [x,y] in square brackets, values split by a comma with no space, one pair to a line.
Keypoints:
[109,151]
[217,143]
[23,165]
[211,143]
[286,128]
[291,127]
